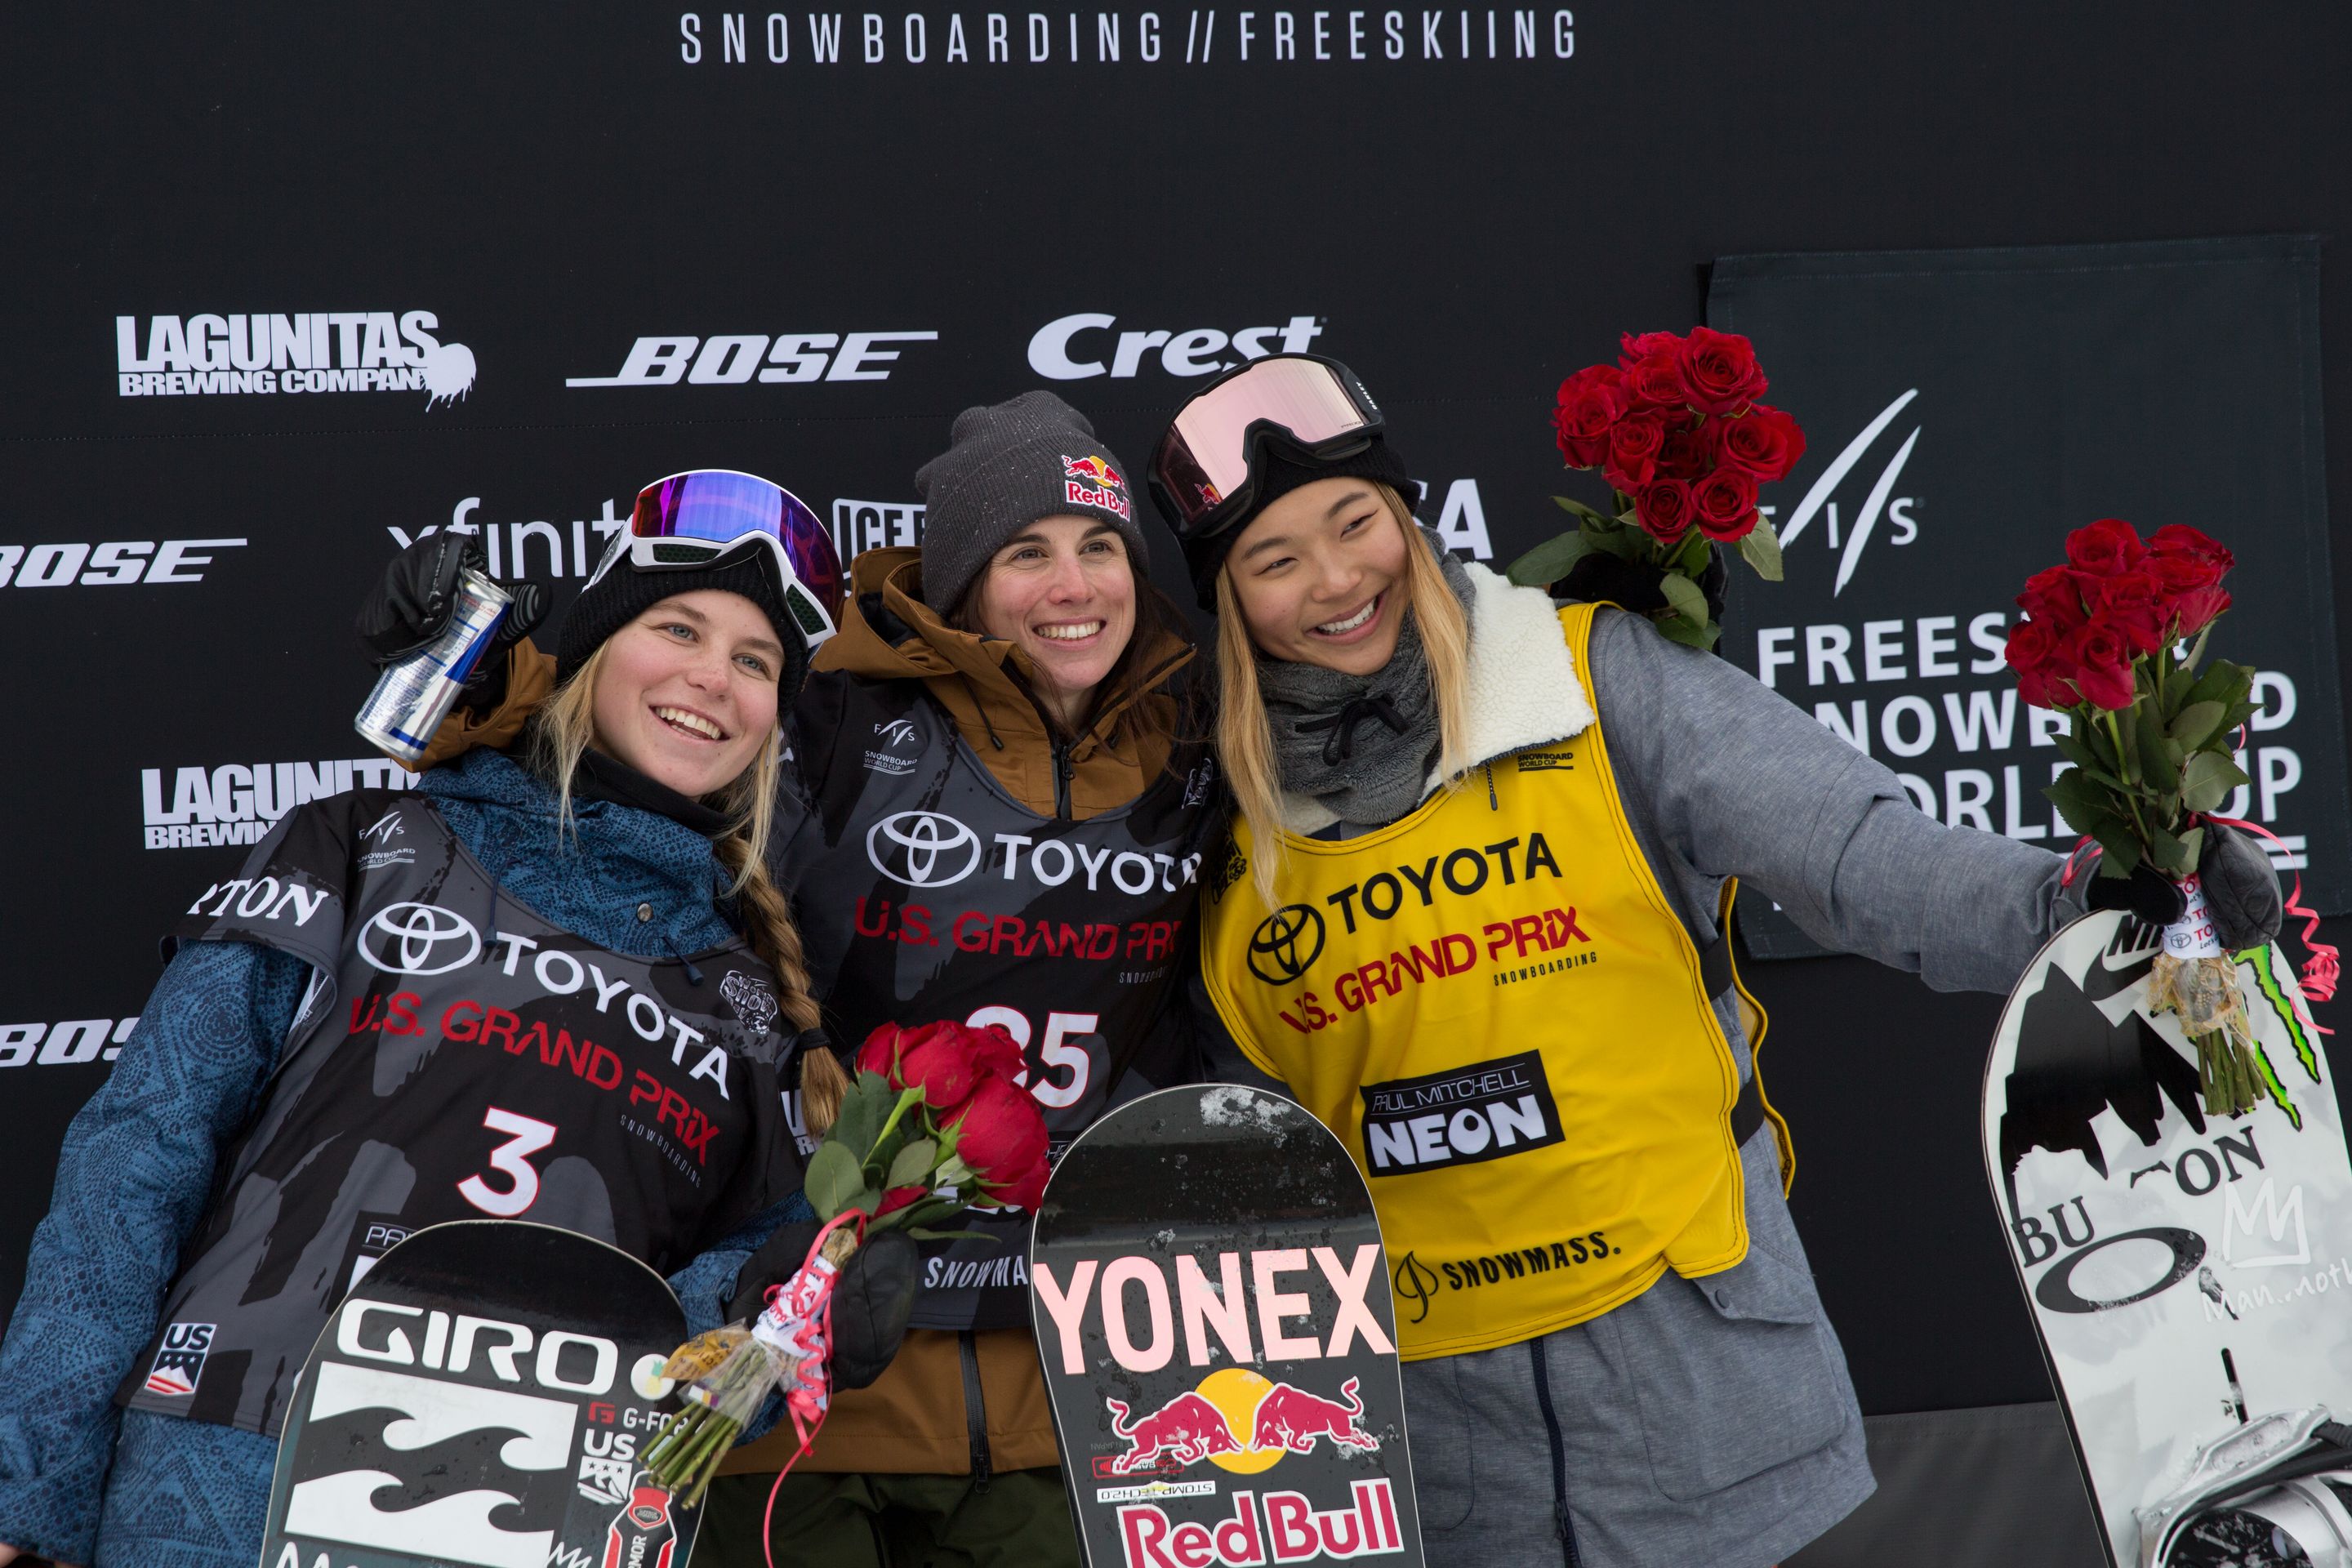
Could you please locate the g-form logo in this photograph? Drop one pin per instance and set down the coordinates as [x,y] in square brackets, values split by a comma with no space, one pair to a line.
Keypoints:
[430,940]
[1286,944]
[923,848]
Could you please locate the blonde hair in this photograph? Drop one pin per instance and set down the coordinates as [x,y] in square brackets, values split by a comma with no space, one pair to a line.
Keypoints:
[1245,738]
[567,725]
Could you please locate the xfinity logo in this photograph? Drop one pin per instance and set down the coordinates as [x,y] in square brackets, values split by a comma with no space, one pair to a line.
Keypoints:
[236,803]
[1851,538]
[534,548]
[332,350]
[1067,349]
[732,359]
[923,848]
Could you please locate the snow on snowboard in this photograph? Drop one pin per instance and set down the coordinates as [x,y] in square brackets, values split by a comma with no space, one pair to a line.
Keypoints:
[2189,1275]
[1212,1312]
[480,1397]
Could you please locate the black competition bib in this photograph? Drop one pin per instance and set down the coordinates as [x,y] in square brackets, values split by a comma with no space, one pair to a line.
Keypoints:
[936,895]
[456,1057]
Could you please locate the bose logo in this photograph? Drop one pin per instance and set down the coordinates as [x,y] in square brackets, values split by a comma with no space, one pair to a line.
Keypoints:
[730,359]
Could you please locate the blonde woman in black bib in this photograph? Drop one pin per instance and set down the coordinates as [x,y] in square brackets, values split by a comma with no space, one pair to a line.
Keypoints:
[1473,916]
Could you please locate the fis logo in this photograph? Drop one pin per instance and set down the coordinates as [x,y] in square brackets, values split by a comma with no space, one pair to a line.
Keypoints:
[1849,538]
[332,351]
[1090,482]
[732,359]
[237,804]
[180,1364]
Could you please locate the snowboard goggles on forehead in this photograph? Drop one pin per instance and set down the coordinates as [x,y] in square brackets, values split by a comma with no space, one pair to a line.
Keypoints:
[1202,473]
[708,517]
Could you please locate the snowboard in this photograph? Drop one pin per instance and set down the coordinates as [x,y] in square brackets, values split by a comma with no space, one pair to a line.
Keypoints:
[2188,1274]
[1211,1306]
[480,1397]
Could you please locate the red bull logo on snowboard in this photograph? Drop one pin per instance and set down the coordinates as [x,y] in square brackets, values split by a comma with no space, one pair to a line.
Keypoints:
[1281,1527]
[1201,1424]
[1092,481]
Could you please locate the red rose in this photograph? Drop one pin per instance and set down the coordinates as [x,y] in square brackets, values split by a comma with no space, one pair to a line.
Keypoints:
[1665,510]
[2100,664]
[993,1046]
[1590,401]
[1001,1135]
[2031,651]
[1764,441]
[2104,548]
[942,1060]
[2191,590]
[880,1051]
[1655,380]
[1725,504]
[1688,450]
[900,1197]
[2053,595]
[1635,443]
[2180,539]
[1720,371]
[2133,604]
[1632,351]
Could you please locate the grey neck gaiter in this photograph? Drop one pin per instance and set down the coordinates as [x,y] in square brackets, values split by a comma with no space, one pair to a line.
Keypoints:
[1361,745]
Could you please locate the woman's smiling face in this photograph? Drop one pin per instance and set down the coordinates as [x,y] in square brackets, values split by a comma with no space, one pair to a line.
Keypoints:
[1061,590]
[1321,576]
[686,693]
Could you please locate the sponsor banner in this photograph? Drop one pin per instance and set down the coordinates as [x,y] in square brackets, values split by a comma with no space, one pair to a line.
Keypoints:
[1536,36]
[239,803]
[320,352]
[735,359]
[1944,467]
[859,526]
[70,1043]
[110,563]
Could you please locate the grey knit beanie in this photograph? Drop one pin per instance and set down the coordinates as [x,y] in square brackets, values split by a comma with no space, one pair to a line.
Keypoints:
[1007,465]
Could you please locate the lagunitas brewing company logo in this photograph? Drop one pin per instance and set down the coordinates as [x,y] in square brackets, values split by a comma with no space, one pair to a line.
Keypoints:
[1073,348]
[1091,481]
[237,803]
[329,351]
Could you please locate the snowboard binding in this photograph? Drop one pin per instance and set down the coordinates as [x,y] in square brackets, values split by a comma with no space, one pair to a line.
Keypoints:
[2275,1493]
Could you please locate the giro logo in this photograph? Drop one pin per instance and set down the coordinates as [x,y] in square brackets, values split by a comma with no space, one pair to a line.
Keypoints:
[1286,944]
[1852,537]
[923,848]
[419,939]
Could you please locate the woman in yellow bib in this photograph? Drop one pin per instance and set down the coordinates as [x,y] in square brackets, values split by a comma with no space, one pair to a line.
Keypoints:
[1472,916]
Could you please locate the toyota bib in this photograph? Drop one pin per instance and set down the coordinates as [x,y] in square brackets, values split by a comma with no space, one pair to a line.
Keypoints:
[456,1057]
[933,894]
[1494,1006]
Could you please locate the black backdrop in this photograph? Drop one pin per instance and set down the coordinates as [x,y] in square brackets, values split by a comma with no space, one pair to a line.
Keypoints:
[552,184]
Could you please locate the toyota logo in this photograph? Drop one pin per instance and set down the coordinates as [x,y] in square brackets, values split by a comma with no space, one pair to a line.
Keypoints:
[927,844]
[1274,954]
[418,940]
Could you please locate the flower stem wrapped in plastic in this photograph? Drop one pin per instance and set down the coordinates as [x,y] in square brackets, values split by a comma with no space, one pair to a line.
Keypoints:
[934,1124]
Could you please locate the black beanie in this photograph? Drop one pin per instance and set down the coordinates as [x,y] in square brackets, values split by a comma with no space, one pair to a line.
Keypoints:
[622,592]
[1007,465]
[1278,472]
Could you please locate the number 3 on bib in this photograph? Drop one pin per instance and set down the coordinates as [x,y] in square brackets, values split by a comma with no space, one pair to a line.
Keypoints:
[1058,1051]
[525,1137]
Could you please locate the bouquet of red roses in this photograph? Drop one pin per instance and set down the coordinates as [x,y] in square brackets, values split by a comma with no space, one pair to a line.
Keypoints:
[933,1124]
[1674,427]
[2151,742]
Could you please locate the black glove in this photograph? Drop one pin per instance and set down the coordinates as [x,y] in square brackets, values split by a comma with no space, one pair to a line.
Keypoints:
[2241,891]
[871,1300]
[412,604]
[1634,585]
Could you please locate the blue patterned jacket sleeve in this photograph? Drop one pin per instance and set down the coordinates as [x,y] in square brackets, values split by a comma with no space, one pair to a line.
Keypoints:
[706,1285]
[132,1182]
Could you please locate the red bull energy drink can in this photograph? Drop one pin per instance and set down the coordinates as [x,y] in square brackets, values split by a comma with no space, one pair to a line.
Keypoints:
[413,697]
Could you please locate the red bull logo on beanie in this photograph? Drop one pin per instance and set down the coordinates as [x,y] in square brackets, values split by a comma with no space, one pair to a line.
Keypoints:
[1092,481]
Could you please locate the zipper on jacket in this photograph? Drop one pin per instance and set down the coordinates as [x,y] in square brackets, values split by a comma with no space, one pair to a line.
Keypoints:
[1563,1522]
[975,1409]
[1063,773]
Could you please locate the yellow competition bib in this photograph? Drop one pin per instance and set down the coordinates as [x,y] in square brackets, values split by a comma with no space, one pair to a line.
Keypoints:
[1494,1006]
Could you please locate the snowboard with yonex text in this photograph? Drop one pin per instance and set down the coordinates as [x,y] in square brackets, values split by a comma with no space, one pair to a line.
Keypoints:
[2190,1274]
[480,1396]
[1213,1311]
